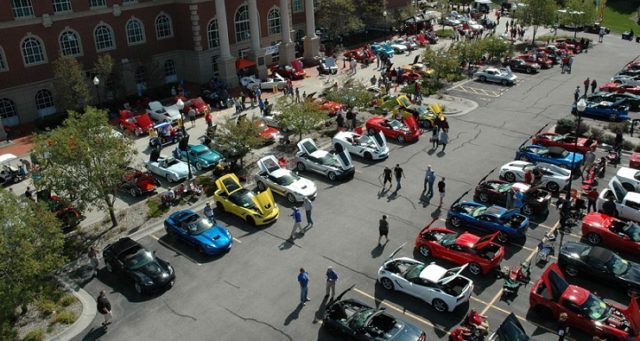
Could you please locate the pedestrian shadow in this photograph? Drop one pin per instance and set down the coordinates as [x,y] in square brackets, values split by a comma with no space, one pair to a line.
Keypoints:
[392,196]
[441,153]
[425,199]
[319,314]
[293,315]
[436,214]
[94,334]
[378,250]
[289,242]
[383,192]
[431,151]
[307,228]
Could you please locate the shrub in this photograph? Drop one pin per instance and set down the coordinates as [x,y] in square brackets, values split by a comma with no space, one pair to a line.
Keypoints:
[596,133]
[584,128]
[618,127]
[608,139]
[207,183]
[65,317]
[66,300]
[564,126]
[627,145]
[34,335]
[637,148]
[46,306]
[156,209]
[444,33]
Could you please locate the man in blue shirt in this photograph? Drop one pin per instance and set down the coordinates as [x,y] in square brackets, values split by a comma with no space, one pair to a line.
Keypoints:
[297,221]
[332,277]
[429,179]
[303,280]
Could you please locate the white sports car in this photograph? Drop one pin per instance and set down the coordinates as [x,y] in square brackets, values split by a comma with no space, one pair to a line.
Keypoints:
[629,178]
[626,79]
[252,82]
[554,178]
[283,181]
[160,113]
[168,167]
[410,45]
[443,289]
[334,166]
[398,47]
[370,147]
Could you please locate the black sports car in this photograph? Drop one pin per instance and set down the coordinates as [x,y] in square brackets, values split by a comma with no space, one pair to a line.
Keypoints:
[495,192]
[129,259]
[632,100]
[520,65]
[594,261]
[354,320]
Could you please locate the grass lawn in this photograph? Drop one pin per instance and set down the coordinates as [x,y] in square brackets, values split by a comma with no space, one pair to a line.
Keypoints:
[619,15]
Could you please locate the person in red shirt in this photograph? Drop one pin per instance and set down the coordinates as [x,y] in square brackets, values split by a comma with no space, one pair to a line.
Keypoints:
[592,196]
[528,177]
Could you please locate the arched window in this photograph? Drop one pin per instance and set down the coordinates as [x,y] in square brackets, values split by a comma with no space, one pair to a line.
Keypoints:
[297,6]
[103,36]
[135,32]
[69,43]
[44,99]
[163,27]
[242,23]
[273,21]
[22,8]
[8,112]
[32,51]
[212,34]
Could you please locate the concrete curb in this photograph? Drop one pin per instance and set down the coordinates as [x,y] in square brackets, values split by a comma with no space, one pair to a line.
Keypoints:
[85,319]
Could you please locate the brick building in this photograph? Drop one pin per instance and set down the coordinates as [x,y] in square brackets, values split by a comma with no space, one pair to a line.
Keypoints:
[182,40]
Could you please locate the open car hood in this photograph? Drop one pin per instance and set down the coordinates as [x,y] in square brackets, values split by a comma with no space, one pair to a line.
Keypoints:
[485,241]
[633,314]
[264,202]
[510,330]
[268,164]
[457,271]
[411,123]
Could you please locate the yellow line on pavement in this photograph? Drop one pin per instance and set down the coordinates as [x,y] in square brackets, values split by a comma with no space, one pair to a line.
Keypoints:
[237,240]
[490,305]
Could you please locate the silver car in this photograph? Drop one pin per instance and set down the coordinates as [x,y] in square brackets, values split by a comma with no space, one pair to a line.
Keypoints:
[501,76]
[283,181]
[334,166]
[168,167]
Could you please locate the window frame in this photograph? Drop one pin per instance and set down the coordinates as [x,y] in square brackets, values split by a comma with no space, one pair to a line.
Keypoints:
[43,52]
[102,4]
[47,101]
[213,43]
[111,37]
[297,6]
[26,6]
[61,3]
[4,64]
[169,24]
[241,23]
[67,31]
[7,103]
[129,2]
[274,24]
[141,31]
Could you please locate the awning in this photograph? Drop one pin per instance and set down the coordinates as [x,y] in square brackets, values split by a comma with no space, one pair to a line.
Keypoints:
[243,63]
[488,2]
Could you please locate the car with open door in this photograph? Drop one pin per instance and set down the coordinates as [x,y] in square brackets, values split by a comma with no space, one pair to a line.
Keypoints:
[470,214]
[566,141]
[629,178]
[403,131]
[536,200]
[256,209]
[601,229]
[370,147]
[554,178]
[335,166]
[552,295]
[627,203]
[283,181]
[136,124]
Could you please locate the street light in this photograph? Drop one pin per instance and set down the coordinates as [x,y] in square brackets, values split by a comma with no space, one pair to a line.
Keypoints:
[96,82]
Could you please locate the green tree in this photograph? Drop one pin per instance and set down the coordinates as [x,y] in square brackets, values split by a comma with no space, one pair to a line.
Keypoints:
[537,13]
[578,13]
[71,83]
[338,17]
[354,94]
[241,135]
[468,51]
[31,247]
[443,61]
[104,68]
[84,160]
[496,48]
[300,118]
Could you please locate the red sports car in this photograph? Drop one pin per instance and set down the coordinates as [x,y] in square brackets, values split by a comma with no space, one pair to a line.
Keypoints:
[68,215]
[361,55]
[138,183]
[616,234]
[568,45]
[409,77]
[620,88]
[544,62]
[481,253]
[137,124]
[633,66]
[197,103]
[565,141]
[406,131]
[634,160]
[270,134]
[331,107]
[552,295]
[293,71]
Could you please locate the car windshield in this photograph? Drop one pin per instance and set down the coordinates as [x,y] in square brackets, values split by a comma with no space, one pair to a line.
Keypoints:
[617,265]
[633,231]
[395,124]
[202,152]
[594,308]
[478,211]
[366,141]
[287,179]
[360,318]
[139,259]
[504,187]
[171,162]
[449,239]
[330,160]
[199,226]
[414,271]
[243,198]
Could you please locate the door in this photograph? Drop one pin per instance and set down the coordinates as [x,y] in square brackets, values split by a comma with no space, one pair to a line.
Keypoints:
[268,164]
[380,140]
[345,160]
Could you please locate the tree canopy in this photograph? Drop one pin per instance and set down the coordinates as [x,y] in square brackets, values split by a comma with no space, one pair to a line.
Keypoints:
[338,16]
[353,93]
[442,61]
[300,118]
[241,135]
[84,160]
[577,13]
[71,84]
[537,13]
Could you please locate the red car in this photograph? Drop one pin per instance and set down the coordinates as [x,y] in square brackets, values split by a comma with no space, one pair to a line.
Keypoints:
[406,131]
[544,62]
[481,253]
[552,295]
[633,66]
[634,160]
[620,88]
[565,141]
[362,55]
[293,71]
[568,45]
[137,124]
[136,183]
[270,134]
[197,103]
[68,215]
[598,228]
[409,77]
[331,107]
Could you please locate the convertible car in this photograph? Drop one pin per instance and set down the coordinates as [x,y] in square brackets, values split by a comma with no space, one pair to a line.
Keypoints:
[137,124]
[168,167]
[601,229]
[293,71]
[481,253]
[206,236]
[137,183]
[521,65]
[491,74]
[617,87]
[596,262]
[611,111]
[626,98]
[406,131]
[370,147]
[536,200]
[554,178]
[160,113]
[566,141]
[553,155]
[334,166]
[489,218]
[200,156]
[361,55]
[283,181]
[269,83]
[256,209]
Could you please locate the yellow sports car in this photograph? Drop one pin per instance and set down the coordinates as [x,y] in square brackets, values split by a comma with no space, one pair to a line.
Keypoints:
[427,116]
[422,69]
[255,209]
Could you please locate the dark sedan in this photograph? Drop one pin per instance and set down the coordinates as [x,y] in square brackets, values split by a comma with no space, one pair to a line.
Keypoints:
[594,261]
[496,192]
[522,66]
[129,259]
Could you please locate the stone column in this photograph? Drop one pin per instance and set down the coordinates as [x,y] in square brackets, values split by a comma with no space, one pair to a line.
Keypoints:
[227,61]
[257,53]
[195,28]
[311,40]
[287,48]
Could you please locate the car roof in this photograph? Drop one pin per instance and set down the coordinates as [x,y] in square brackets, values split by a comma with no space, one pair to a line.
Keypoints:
[123,244]
[627,172]
[280,172]
[496,211]
[319,153]
[433,273]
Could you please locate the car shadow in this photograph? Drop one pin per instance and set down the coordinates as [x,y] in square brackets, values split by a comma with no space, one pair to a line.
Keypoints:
[119,284]
[183,249]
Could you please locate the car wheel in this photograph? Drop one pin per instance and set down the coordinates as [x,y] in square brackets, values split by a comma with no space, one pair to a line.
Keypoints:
[502,238]
[291,198]
[504,82]
[108,266]
[424,250]
[527,210]
[483,197]
[261,186]
[483,78]
[455,221]
[138,287]
[510,177]
[368,156]
[338,147]
[332,176]
[251,221]
[371,131]
[133,192]
[169,178]
[523,158]
[594,238]
[386,283]
[529,70]
[439,305]
[552,186]
[220,207]
[300,166]
[475,269]
[571,271]
[401,138]
[199,166]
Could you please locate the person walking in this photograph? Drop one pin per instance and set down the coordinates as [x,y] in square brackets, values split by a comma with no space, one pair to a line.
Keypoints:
[399,173]
[104,308]
[332,277]
[303,280]
[576,94]
[609,208]
[594,86]
[563,326]
[570,64]
[386,174]
[592,196]
[435,137]
[192,117]
[601,33]
[307,209]
[93,258]
[209,119]
[444,138]
[354,66]
[208,212]
[383,229]
[429,179]
[297,95]
[586,85]
[441,190]
[297,221]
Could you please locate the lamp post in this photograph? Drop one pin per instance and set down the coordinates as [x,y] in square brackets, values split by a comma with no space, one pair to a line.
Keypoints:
[96,82]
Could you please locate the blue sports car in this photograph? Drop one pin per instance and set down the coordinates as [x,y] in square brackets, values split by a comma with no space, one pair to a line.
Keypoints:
[489,218]
[190,227]
[378,49]
[554,155]
[611,111]
[199,155]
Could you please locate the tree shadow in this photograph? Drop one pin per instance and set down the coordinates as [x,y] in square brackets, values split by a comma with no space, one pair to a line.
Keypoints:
[293,315]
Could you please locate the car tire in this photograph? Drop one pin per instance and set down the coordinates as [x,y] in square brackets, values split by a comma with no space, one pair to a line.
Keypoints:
[504,82]
[571,271]
[137,287]
[529,70]
[368,156]
[371,131]
[483,197]
[475,269]
[291,198]
[439,305]
[251,221]
[401,138]
[220,207]
[455,221]
[552,186]
[300,166]
[133,192]
[502,238]
[338,147]
[593,238]
[527,210]
[386,283]
[510,177]
[108,266]
[482,78]
[523,158]
[261,186]
[332,176]
[199,166]
[424,250]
